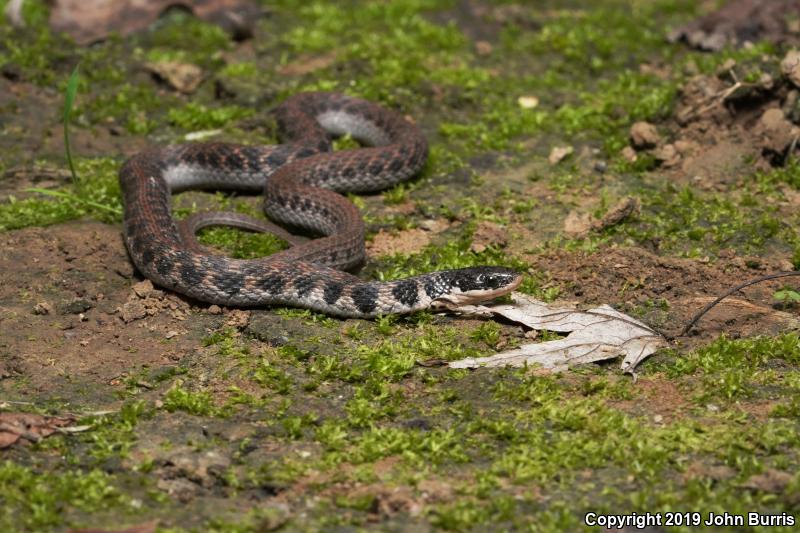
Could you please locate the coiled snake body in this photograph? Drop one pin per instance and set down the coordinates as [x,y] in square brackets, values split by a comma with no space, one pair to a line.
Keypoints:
[301,180]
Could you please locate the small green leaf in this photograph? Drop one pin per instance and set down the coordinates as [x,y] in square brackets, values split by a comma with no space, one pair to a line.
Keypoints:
[787,295]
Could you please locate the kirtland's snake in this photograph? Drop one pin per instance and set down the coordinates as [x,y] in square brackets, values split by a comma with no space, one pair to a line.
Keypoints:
[301,180]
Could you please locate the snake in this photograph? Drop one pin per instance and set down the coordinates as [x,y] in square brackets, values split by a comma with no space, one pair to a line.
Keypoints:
[302,181]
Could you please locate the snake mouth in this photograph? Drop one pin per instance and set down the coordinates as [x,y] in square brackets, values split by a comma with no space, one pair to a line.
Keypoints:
[459,299]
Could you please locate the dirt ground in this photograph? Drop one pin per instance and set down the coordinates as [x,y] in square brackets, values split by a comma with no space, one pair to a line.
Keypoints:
[224,443]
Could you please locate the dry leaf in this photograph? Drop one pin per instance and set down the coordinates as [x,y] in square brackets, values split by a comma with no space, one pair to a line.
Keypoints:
[29,426]
[88,21]
[183,77]
[594,335]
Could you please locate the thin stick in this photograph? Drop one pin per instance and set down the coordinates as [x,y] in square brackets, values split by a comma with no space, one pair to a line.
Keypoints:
[708,307]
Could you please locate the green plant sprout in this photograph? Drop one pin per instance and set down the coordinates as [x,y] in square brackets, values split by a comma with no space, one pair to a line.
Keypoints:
[69,100]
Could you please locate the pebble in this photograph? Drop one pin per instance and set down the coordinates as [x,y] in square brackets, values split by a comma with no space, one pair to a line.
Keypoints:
[644,135]
[790,67]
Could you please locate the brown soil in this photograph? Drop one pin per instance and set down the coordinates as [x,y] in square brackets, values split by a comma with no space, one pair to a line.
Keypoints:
[70,307]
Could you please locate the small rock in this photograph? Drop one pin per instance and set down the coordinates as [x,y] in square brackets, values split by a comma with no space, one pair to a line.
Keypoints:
[157,294]
[238,318]
[483,48]
[528,102]
[623,209]
[726,67]
[184,77]
[790,67]
[214,310]
[75,307]
[436,225]
[143,288]
[171,334]
[558,153]
[42,308]
[775,131]
[684,147]
[766,82]
[600,166]
[181,489]
[629,154]
[667,155]
[273,517]
[133,311]
[644,135]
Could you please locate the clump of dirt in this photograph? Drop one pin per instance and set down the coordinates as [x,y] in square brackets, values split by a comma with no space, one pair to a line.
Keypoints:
[746,112]
[742,21]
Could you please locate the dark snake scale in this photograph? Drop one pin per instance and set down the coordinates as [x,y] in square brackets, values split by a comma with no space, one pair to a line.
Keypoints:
[301,181]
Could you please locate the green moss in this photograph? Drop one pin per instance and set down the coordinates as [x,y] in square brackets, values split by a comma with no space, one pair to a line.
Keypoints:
[184,38]
[113,436]
[36,52]
[200,403]
[698,224]
[240,244]
[788,174]
[608,110]
[96,194]
[737,368]
[488,332]
[194,116]
[34,500]
[131,106]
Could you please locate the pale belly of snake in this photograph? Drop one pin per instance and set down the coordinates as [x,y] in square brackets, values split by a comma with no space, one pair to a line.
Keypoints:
[301,181]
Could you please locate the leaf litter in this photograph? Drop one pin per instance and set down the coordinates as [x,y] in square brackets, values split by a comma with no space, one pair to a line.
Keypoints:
[597,334]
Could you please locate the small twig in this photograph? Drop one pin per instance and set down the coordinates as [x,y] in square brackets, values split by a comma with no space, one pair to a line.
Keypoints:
[708,307]
[715,99]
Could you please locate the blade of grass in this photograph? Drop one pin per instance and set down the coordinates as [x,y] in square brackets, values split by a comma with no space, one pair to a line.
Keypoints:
[78,199]
[69,98]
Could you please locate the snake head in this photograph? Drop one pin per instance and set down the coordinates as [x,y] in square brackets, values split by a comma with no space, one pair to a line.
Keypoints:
[467,286]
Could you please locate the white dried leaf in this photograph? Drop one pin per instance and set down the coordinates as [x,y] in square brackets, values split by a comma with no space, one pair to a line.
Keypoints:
[594,335]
